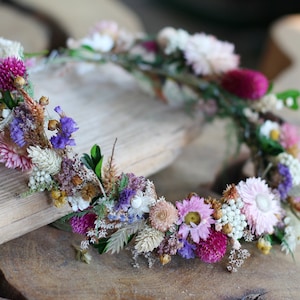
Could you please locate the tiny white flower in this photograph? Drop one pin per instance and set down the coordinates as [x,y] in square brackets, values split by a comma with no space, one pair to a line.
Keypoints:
[77,203]
[289,101]
[99,42]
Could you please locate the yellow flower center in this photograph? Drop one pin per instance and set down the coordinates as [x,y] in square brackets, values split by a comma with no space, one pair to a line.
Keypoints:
[192,217]
[274,134]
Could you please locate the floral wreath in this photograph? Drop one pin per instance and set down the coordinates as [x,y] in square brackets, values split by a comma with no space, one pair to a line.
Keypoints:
[113,209]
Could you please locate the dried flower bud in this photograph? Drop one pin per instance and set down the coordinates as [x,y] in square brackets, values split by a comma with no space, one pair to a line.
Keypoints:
[217,214]
[53,125]
[44,101]
[192,194]
[88,192]
[19,82]
[165,259]
[227,228]
[76,180]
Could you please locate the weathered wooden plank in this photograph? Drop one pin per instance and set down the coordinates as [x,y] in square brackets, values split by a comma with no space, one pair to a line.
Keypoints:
[107,104]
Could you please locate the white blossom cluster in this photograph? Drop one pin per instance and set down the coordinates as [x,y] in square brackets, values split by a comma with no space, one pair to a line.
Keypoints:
[39,180]
[268,103]
[231,214]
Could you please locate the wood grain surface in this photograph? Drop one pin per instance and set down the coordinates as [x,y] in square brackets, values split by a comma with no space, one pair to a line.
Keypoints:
[42,265]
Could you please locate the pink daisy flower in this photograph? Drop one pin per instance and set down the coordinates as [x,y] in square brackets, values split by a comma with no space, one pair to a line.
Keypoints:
[245,83]
[12,156]
[289,136]
[10,68]
[213,249]
[261,207]
[208,55]
[194,218]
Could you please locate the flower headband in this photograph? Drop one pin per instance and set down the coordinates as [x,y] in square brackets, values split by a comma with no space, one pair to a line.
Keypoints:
[113,209]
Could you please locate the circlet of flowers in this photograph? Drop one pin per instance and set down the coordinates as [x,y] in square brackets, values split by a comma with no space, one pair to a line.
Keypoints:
[112,209]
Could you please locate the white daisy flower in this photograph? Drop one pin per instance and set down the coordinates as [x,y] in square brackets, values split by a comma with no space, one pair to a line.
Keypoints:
[267,127]
[140,204]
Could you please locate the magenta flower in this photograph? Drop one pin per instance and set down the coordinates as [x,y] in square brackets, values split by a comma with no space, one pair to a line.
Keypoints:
[82,224]
[213,248]
[261,207]
[194,218]
[10,68]
[245,83]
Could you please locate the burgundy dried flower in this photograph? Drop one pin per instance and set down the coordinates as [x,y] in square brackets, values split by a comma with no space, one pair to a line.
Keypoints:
[10,68]
[245,83]
[82,224]
[213,248]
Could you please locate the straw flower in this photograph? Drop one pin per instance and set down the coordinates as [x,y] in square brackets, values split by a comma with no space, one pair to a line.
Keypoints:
[163,215]
[208,56]
[261,208]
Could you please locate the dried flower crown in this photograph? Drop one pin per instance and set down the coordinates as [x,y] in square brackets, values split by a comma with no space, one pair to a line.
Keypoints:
[111,209]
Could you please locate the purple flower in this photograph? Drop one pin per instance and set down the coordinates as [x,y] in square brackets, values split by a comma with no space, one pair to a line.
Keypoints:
[187,251]
[135,182]
[63,136]
[10,68]
[124,199]
[16,132]
[287,181]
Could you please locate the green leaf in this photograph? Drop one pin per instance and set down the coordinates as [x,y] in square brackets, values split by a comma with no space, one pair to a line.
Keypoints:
[96,154]
[87,161]
[101,245]
[289,95]
[98,168]
[269,146]
[8,100]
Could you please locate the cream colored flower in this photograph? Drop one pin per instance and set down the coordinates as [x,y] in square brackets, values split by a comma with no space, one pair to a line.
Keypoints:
[148,239]
[10,48]
[163,215]
[45,159]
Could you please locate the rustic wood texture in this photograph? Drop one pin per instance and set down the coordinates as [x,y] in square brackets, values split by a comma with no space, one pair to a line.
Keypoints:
[107,104]
[42,265]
